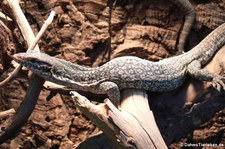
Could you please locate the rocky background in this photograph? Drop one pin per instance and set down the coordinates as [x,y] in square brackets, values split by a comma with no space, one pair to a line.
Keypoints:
[80,33]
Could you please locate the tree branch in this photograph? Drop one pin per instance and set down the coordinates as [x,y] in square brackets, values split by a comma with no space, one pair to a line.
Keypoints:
[13,125]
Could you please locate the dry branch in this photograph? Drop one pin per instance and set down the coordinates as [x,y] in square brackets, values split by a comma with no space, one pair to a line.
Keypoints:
[7,112]
[13,8]
[128,126]
[12,126]
[32,46]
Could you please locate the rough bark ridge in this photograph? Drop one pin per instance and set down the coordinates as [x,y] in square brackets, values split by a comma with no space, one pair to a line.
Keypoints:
[148,29]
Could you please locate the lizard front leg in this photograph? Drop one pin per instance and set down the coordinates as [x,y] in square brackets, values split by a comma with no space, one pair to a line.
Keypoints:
[194,70]
[112,90]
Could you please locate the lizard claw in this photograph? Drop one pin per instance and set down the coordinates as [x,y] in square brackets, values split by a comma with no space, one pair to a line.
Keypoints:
[218,84]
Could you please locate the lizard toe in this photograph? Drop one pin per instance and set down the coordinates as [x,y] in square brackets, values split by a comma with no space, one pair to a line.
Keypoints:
[223,85]
[218,84]
[214,84]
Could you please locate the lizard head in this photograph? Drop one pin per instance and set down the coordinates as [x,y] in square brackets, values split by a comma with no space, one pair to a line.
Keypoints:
[36,62]
[52,69]
[41,64]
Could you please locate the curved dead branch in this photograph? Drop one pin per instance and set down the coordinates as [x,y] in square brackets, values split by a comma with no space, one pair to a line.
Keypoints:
[13,125]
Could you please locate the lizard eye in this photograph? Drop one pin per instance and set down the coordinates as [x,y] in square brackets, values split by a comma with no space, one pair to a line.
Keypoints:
[32,60]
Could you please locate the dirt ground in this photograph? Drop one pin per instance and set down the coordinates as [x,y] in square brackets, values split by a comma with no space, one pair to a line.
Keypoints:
[80,34]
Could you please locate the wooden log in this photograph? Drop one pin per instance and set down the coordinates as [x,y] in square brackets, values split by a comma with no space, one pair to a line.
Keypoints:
[132,126]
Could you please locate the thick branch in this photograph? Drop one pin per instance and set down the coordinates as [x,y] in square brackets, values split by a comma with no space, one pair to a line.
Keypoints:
[127,127]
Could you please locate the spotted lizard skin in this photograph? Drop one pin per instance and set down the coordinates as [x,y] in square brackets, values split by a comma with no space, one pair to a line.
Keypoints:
[189,13]
[130,72]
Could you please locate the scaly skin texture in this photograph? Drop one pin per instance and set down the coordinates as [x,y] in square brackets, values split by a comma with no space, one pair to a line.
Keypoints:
[189,13]
[130,72]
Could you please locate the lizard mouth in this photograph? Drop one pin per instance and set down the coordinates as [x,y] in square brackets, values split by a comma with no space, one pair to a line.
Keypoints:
[32,63]
[49,68]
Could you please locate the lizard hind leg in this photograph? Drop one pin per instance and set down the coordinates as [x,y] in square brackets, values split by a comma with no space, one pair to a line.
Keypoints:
[112,90]
[194,70]
[218,81]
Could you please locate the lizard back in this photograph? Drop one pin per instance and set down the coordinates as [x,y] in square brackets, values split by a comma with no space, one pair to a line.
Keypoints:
[133,72]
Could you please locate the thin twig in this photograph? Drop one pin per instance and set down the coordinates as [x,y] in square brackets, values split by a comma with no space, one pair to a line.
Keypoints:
[7,112]
[15,72]
[41,32]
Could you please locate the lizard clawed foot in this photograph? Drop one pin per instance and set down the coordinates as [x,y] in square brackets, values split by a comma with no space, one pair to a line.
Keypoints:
[218,84]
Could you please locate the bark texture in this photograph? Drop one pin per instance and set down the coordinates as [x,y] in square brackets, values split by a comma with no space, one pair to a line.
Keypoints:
[147,29]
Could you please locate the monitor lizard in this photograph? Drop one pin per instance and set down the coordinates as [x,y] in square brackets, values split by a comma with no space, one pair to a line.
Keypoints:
[129,71]
[189,12]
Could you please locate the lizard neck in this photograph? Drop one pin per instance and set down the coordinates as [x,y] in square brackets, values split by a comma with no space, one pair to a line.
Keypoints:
[75,75]
[207,47]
